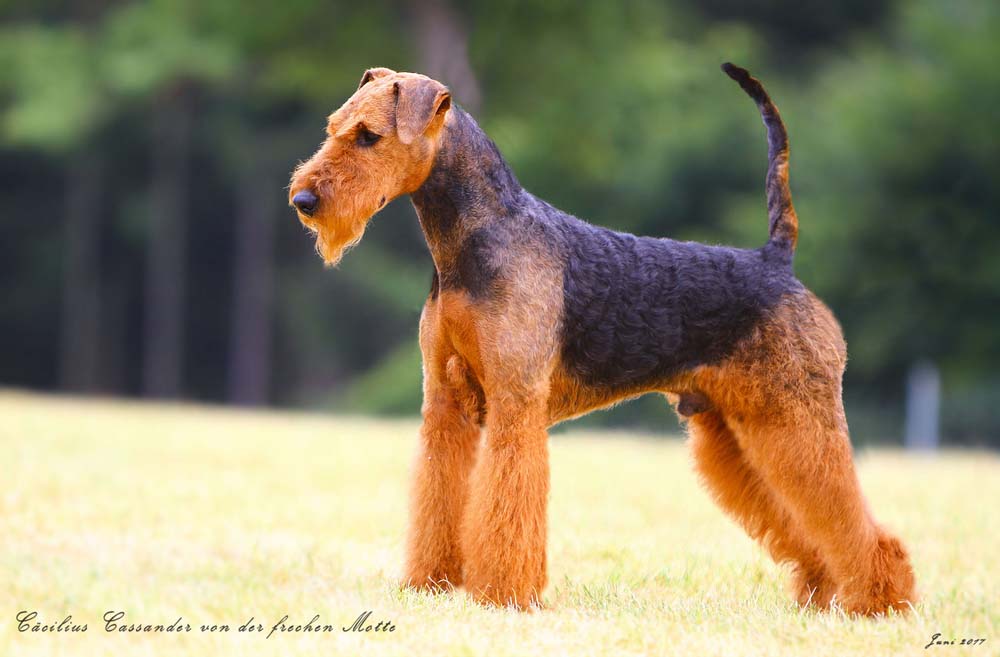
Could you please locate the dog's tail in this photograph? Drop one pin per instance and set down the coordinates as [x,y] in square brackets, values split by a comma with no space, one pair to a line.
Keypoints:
[783,223]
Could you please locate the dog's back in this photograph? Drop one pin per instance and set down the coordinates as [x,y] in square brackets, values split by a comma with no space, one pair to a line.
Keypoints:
[639,310]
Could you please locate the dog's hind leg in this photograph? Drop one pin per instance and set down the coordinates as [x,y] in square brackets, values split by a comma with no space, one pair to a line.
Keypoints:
[740,491]
[781,395]
[804,455]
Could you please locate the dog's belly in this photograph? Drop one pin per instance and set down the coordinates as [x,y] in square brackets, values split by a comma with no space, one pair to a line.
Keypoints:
[639,312]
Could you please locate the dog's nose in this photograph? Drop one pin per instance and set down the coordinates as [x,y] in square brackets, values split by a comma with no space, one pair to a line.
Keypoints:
[306,202]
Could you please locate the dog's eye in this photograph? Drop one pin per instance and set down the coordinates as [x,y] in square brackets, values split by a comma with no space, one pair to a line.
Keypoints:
[367,138]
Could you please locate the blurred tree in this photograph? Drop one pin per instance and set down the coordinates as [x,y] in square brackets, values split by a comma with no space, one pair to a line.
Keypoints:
[49,70]
[899,201]
[171,122]
[253,278]
[160,52]
[795,28]
[160,136]
[442,44]
[256,132]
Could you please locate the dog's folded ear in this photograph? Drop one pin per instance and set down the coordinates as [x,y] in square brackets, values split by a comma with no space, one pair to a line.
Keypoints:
[373,74]
[421,104]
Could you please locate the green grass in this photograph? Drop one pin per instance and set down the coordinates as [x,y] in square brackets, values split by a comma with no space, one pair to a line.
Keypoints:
[217,516]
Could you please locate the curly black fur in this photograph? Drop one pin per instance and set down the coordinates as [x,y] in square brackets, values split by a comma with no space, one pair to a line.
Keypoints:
[635,309]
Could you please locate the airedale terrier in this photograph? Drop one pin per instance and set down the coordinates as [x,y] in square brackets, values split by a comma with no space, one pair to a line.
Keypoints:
[535,316]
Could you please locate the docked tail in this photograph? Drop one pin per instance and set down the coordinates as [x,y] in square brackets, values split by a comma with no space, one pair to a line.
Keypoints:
[784,225]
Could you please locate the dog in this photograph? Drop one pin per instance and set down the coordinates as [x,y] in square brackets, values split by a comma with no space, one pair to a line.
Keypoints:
[535,316]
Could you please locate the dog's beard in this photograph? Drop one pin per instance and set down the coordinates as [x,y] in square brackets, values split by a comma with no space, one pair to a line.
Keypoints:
[331,245]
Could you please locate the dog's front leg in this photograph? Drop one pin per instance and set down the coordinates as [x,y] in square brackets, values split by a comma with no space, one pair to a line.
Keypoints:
[504,532]
[448,440]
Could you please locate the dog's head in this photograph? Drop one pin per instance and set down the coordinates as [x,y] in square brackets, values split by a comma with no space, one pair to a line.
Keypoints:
[380,144]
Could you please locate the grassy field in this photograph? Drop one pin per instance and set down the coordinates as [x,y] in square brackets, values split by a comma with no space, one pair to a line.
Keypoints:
[218,516]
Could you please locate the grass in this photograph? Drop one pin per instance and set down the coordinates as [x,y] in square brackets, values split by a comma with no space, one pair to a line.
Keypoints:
[216,516]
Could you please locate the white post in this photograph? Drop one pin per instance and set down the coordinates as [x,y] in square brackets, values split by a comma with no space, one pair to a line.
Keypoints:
[923,407]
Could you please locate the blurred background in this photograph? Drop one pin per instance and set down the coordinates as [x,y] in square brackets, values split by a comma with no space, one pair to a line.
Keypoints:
[145,148]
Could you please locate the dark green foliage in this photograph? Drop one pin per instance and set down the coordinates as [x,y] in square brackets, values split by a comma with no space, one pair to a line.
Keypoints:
[615,112]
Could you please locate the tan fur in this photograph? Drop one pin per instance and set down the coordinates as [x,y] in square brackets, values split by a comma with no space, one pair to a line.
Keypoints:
[356,182]
[780,397]
[767,429]
[497,369]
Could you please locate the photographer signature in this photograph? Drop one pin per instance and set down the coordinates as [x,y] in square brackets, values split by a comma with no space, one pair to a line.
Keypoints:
[936,640]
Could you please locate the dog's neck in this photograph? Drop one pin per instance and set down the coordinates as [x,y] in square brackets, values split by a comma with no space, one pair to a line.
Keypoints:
[469,186]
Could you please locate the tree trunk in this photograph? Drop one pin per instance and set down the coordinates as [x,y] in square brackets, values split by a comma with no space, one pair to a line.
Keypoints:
[253,279]
[443,43]
[114,366]
[80,331]
[166,248]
